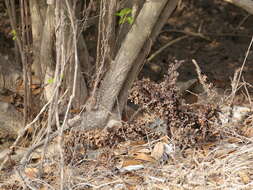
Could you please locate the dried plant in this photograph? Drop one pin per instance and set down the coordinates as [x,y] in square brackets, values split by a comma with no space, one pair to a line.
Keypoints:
[208,87]
[187,124]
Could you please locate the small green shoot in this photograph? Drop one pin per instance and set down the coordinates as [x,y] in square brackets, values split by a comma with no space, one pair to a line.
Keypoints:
[125,16]
[14,34]
[50,81]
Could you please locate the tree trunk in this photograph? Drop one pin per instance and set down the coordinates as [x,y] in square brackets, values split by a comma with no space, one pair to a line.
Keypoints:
[37,10]
[47,59]
[81,91]
[124,60]
[140,60]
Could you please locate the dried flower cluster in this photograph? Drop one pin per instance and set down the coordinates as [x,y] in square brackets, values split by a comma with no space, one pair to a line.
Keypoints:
[187,125]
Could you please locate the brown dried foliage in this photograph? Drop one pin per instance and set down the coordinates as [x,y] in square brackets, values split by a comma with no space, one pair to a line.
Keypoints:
[187,125]
[77,142]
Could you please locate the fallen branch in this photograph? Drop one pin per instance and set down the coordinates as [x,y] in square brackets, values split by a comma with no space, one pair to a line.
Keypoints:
[166,46]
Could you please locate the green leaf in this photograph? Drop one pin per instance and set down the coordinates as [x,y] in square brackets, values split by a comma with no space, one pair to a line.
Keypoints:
[122,20]
[50,81]
[14,34]
[130,20]
[124,12]
[118,14]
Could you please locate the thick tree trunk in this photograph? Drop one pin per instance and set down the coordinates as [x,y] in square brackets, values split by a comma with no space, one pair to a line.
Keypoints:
[140,60]
[44,52]
[106,36]
[37,10]
[124,60]
[81,91]
[47,59]
[125,27]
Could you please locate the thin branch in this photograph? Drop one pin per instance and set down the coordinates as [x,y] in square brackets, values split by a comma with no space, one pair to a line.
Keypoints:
[151,57]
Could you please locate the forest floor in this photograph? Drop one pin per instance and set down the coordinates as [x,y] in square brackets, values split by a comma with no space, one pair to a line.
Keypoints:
[217,37]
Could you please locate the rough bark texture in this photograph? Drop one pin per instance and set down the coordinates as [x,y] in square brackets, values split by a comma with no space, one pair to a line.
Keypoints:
[124,60]
[46,51]
[37,10]
[129,51]
[81,91]
[85,64]
[124,28]
[106,44]
[140,60]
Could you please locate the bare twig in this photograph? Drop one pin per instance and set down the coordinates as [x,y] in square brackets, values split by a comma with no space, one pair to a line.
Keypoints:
[21,41]
[190,33]
[151,57]
[239,75]
[203,80]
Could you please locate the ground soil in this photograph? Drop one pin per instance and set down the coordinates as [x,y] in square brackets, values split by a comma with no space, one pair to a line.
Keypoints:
[226,34]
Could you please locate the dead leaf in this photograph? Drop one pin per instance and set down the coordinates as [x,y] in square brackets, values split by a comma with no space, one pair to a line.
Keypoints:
[158,151]
[247,131]
[165,139]
[136,150]
[144,150]
[137,143]
[31,172]
[131,162]
[37,91]
[43,188]
[144,157]
[233,140]
[244,176]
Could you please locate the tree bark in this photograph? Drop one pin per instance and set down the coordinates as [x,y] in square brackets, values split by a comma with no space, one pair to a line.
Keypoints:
[37,10]
[81,91]
[140,60]
[47,59]
[124,60]
[124,28]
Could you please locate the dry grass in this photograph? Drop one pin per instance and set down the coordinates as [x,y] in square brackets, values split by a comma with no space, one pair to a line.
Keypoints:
[224,162]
